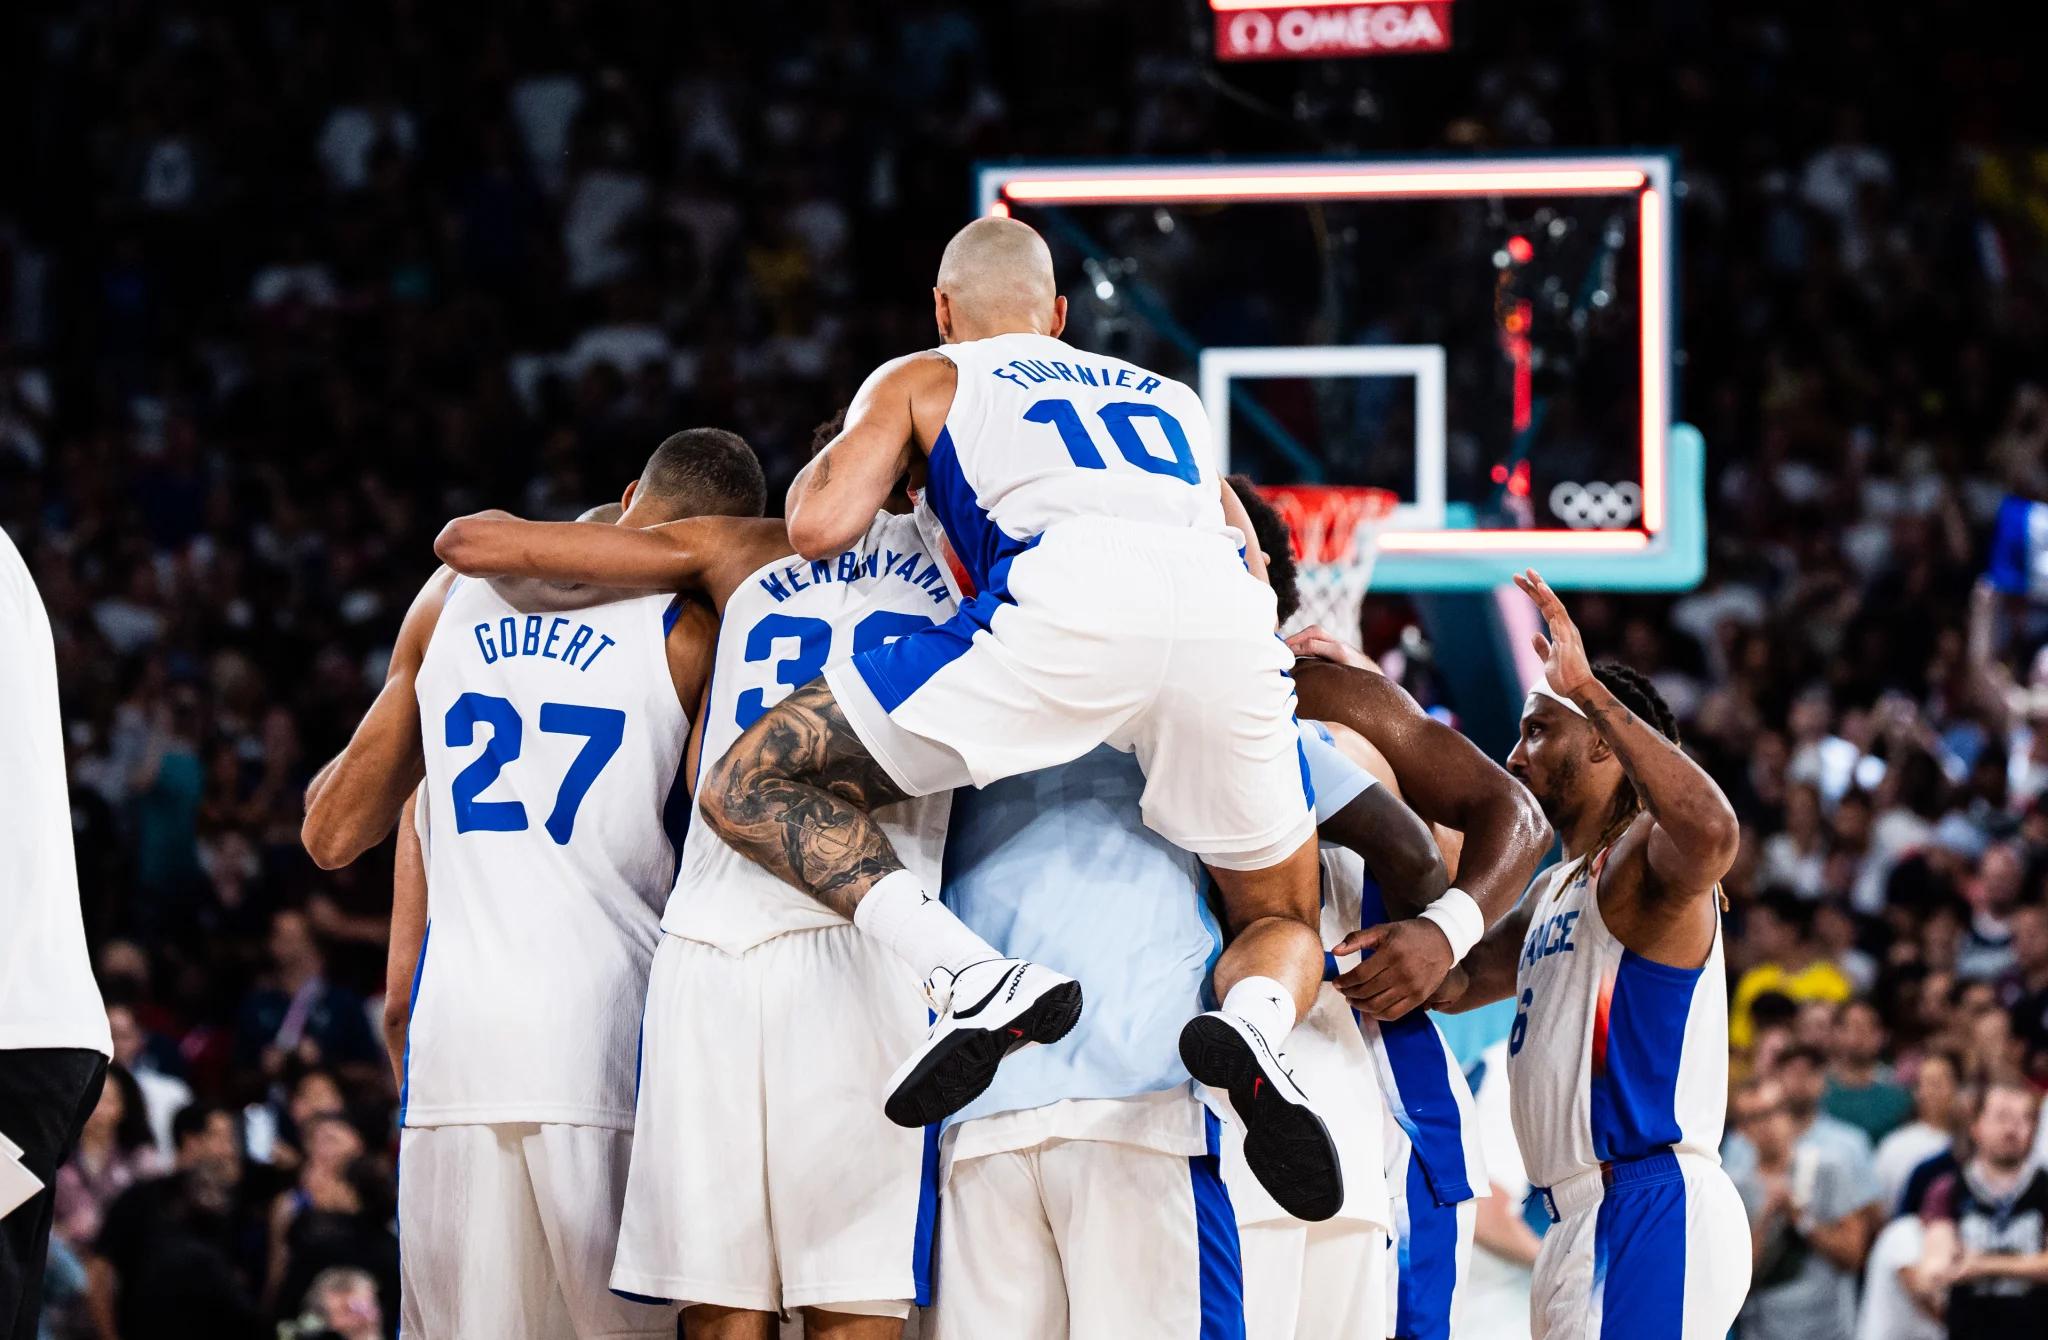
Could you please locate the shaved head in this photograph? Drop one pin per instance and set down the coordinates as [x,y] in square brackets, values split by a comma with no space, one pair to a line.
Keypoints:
[995,278]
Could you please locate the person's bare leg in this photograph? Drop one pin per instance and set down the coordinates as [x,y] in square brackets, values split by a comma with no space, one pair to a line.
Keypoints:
[705,1322]
[822,1325]
[1276,926]
[1266,979]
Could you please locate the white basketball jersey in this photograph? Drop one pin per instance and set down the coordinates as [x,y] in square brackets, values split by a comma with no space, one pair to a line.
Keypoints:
[1612,1056]
[1040,432]
[553,743]
[783,625]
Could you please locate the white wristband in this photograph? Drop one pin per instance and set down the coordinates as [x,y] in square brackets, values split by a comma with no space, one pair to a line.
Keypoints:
[1459,918]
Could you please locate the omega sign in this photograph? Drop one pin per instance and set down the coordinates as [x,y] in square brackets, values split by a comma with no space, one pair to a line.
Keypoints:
[1307,32]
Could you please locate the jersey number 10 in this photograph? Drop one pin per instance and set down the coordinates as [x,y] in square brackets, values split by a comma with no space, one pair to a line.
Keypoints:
[602,728]
[1120,419]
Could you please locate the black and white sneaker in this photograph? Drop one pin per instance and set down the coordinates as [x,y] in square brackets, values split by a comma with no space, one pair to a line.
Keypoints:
[1286,1145]
[986,1011]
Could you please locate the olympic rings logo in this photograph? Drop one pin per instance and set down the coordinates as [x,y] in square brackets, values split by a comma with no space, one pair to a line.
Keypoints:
[1596,506]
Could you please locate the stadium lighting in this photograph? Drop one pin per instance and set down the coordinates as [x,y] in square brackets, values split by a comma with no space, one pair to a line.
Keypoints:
[1334,184]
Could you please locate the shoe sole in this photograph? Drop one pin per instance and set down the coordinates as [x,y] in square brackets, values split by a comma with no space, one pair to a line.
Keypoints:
[1286,1146]
[961,1066]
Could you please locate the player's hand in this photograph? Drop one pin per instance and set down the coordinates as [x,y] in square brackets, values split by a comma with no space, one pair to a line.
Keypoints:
[1316,641]
[1409,961]
[1564,654]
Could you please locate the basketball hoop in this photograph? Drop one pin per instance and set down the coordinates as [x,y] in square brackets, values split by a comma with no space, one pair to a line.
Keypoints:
[1336,530]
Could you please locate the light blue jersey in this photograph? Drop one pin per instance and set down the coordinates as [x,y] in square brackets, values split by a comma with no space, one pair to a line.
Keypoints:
[1057,867]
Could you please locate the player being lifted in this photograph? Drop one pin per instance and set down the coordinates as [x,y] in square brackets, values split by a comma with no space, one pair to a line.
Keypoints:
[1618,1059]
[1113,606]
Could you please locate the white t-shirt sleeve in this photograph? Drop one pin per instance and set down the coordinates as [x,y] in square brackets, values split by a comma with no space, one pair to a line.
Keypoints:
[1337,780]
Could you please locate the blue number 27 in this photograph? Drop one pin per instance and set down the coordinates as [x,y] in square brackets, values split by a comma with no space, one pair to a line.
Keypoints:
[603,728]
[1119,419]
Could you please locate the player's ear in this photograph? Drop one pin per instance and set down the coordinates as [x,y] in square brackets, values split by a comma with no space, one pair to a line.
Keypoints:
[942,315]
[626,500]
[1059,316]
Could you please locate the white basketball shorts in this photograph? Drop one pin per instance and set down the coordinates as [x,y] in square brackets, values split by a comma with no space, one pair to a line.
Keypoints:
[764,1174]
[1088,1240]
[1654,1249]
[508,1231]
[1313,1281]
[1152,639]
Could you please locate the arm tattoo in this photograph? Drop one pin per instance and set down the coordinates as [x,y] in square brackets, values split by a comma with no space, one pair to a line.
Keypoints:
[795,795]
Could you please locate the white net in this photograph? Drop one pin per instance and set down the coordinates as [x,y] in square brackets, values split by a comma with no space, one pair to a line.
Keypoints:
[1336,530]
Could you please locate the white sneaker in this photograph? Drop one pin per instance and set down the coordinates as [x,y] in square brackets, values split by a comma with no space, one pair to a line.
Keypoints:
[1286,1145]
[986,1011]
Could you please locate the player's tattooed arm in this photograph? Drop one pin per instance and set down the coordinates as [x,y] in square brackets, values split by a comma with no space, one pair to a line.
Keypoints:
[833,500]
[1693,833]
[795,793]
[354,801]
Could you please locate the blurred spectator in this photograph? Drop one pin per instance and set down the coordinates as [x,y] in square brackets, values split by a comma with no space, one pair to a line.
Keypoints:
[1795,858]
[341,1304]
[2026,987]
[1986,952]
[115,1150]
[1860,1088]
[1937,1111]
[1835,934]
[1984,1263]
[1806,1220]
[163,1096]
[301,1015]
[169,1262]
[336,1215]
[1784,960]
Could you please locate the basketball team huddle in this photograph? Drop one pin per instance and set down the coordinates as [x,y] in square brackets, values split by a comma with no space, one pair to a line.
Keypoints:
[957,895]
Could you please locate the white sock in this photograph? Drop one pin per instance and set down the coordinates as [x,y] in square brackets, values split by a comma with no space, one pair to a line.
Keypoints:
[918,927]
[1265,1005]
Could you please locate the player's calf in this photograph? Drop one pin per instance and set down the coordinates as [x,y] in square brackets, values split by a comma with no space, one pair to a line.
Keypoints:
[1268,977]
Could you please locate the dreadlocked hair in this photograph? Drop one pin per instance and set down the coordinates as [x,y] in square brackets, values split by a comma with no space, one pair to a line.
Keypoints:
[1638,695]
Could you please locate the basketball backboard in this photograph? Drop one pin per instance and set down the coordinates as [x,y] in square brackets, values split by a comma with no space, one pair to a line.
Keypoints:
[1490,338]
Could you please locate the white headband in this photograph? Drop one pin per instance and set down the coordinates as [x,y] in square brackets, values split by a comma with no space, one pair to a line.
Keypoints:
[1541,689]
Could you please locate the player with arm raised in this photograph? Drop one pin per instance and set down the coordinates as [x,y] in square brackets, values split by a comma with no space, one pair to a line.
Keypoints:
[549,727]
[765,1178]
[1112,606]
[1618,1059]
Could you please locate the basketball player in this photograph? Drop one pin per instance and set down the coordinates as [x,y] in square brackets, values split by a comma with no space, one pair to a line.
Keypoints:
[764,1178]
[1090,1165]
[1112,607]
[1433,1164]
[554,724]
[1618,1060]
